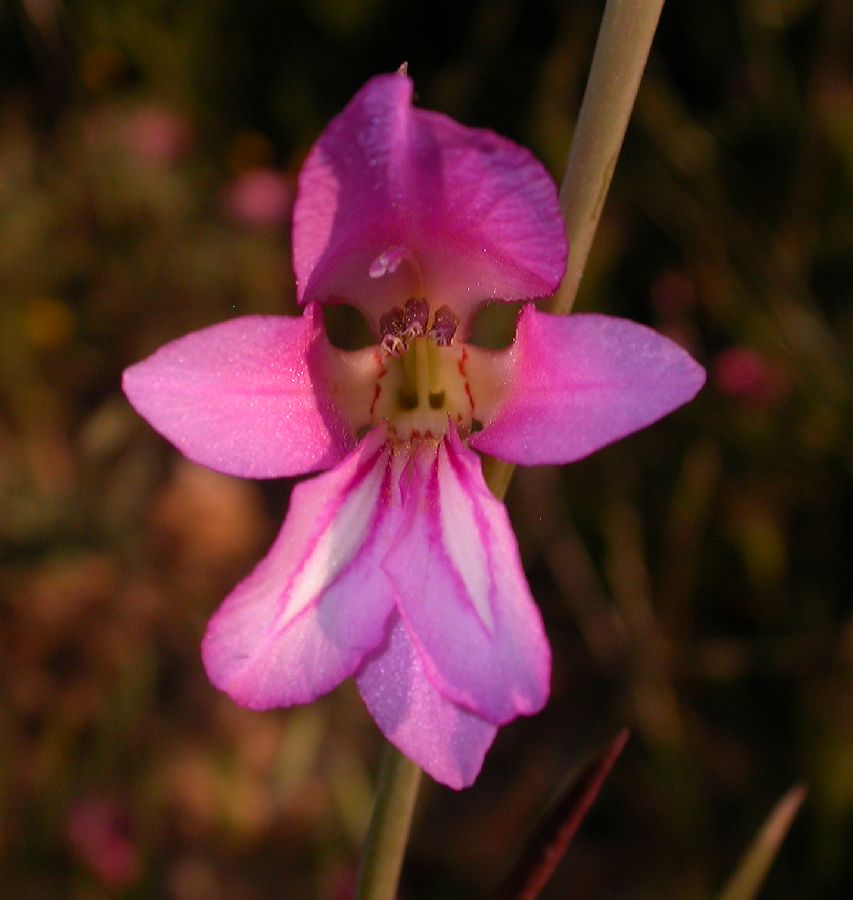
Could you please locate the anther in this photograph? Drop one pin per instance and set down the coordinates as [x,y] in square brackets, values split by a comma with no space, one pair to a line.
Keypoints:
[392,327]
[393,345]
[416,314]
[444,325]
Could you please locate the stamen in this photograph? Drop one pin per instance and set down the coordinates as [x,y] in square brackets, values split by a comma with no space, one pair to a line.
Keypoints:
[434,368]
[393,345]
[422,371]
[416,314]
[392,325]
[444,325]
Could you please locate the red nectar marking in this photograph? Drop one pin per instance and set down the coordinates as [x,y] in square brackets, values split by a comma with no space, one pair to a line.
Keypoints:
[462,360]
[377,390]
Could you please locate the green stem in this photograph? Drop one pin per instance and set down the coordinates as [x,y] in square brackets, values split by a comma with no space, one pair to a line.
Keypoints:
[621,51]
[390,823]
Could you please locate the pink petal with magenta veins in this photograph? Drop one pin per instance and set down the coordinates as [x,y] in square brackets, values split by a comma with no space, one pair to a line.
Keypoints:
[319,601]
[446,741]
[395,202]
[246,397]
[569,385]
[461,590]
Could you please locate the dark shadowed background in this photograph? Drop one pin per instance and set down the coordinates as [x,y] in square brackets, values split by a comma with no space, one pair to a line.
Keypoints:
[695,579]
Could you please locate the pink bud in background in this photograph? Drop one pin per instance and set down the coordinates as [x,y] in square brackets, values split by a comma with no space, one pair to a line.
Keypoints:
[260,198]
[157,135]
[744,373]
[99,830]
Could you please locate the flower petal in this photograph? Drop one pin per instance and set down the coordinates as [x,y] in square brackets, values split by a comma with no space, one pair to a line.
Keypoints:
[572,384]
[319,601]
[396,202]
[461,589]
[246,397]
[446,741]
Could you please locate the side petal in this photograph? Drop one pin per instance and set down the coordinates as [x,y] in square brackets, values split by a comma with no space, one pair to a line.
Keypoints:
[395,202]
[246,397]
[446,741]
[461,590]
[572,384]
[319,601]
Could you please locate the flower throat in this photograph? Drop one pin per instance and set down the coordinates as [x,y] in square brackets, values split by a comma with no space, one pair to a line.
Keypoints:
[422,384]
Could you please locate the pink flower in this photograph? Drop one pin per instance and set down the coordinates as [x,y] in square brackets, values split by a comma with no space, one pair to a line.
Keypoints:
[99,829]
[157,135]
[744,373]
[261,198]
[398,566]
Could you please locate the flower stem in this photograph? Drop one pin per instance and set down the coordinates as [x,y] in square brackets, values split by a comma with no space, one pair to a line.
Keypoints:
[621,51]
[390,822]
[624,40]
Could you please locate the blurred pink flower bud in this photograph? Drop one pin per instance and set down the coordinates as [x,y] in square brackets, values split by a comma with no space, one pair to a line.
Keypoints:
[746,374]
[99,831]
[157,135]
[260,198]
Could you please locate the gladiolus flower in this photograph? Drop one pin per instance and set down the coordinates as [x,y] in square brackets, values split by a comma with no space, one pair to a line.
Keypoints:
[398,566]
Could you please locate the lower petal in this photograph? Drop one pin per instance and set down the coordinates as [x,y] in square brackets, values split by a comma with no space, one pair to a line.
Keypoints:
[446,741]
[461,589]
[319,601]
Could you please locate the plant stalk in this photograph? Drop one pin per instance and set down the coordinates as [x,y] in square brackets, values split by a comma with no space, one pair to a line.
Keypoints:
[627,29]
[390,823]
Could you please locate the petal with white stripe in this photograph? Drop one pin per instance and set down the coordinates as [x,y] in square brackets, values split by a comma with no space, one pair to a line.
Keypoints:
[461,590]
[319,601]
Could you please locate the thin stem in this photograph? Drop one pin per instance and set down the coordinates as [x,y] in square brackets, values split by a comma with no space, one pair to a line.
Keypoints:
[621,51]
[624,40]
[390,823]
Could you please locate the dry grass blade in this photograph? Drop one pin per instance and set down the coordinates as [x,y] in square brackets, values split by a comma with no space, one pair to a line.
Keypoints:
[753,868]
[536,866]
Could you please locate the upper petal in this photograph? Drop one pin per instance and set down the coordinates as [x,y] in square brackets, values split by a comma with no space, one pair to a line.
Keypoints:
[461,589]
[446,741]
[246,397]
[396,202]
[571,384]
[319,601]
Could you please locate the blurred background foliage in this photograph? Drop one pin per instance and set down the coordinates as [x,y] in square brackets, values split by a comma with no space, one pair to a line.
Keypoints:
[695,579]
